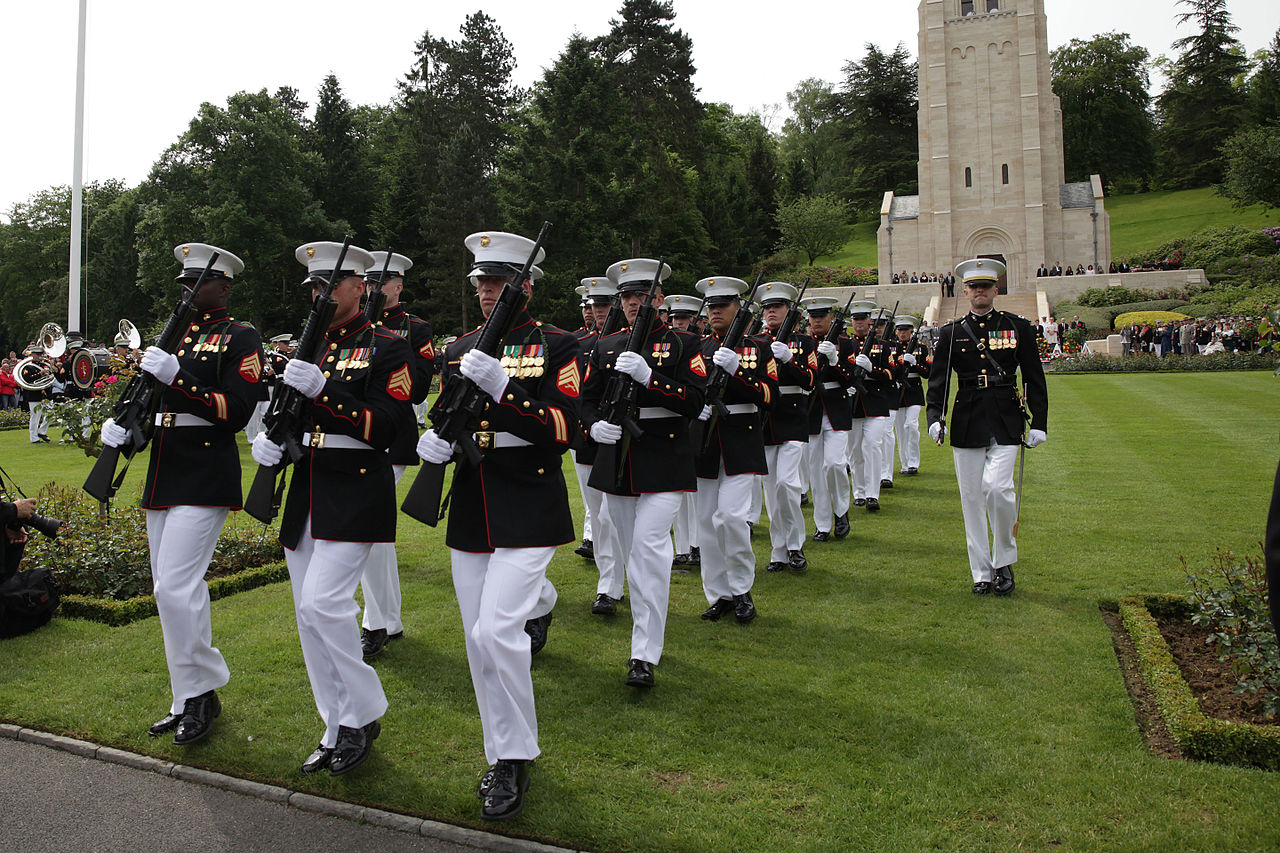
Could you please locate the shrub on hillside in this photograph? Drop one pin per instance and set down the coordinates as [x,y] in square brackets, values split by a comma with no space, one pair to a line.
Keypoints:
[1146,363]
[834,276]
[1206,248]
[13,419]
[1128,317]
[109,557]
[1103,297]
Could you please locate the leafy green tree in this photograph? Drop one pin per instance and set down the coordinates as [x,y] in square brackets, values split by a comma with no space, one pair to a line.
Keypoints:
[810,140]
[1263,88]
[878,109]
[1107,126]
[816,225]
[1202,106]
[1252,167]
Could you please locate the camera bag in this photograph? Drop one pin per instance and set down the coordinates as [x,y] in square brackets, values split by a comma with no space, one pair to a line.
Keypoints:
[27,601]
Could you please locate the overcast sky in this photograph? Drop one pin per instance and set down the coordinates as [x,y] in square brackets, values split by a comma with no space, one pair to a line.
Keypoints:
[151,63]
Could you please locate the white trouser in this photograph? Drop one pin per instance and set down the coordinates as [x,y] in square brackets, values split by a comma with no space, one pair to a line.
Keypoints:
[599,528]
[685,528]
[420,412]
[757,500]
[38,423]
[985,477]
[254,426]
[324,573]
[728,564]
[827,478]
[644,537]
[887,446]
[782,491]
[584,474]
[380,583]
[181,540]
[802,476]
[907,426]
[498,593]
[866,453]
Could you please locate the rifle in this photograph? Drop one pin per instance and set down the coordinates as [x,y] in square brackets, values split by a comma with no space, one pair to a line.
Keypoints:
[136,409]
[283,420]
[718,380]
[860,375]
[832,336]
[618,405]
[376,300]
[788,325]
[459,405]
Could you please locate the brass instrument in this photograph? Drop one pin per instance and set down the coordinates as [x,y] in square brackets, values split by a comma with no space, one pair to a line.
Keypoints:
[32,375]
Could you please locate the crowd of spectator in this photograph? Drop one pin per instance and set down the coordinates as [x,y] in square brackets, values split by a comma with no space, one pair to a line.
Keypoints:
[1192,337]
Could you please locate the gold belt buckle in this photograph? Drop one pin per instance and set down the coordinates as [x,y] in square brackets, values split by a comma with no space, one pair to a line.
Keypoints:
[484,440]
[982,380]
[167,419]
[317,440]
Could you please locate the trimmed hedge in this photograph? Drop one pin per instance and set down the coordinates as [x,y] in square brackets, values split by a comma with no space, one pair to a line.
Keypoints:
[115,612]
[14,419]
[1198,736]
[1147,363]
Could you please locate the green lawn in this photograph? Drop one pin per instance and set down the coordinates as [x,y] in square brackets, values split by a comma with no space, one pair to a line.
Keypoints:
[1138,223]
[875,704]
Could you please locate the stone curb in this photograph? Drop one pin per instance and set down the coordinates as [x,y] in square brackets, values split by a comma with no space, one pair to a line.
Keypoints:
[273,793]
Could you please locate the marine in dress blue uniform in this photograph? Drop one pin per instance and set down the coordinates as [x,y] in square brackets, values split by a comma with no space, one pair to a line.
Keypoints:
[682,315]
[913,360]
[830,419]
[987,348]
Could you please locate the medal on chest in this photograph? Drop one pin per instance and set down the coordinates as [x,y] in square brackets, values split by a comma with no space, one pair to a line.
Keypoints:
[748,357]
[210,343]
[661,352]
[354,358]
[1002,339]
[523,361]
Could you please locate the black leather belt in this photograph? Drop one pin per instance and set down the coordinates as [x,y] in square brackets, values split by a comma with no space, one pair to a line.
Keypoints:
[985,381]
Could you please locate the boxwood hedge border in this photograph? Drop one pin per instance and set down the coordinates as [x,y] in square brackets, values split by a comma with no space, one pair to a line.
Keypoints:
[116,613]
[1198,736]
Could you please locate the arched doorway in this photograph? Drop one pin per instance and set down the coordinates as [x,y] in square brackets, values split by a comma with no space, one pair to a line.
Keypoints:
[992,241]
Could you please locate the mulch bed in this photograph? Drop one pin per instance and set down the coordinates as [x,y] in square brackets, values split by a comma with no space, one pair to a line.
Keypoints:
[1211,681]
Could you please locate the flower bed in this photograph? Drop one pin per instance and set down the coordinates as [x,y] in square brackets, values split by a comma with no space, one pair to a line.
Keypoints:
[1147,363]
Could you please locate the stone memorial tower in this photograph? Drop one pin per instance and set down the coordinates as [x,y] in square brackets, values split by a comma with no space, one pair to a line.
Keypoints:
[990,169]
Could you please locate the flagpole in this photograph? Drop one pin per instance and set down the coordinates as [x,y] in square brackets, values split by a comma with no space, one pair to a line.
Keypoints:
[77,186]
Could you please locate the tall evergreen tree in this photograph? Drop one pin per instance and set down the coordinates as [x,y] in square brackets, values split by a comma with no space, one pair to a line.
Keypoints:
[344,184]
[1107,127]
[878,108]
[1263,88]
[1202,107]
[810,140]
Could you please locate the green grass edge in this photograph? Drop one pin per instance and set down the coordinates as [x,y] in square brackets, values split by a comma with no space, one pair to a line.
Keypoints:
[116,613]
[1198,736]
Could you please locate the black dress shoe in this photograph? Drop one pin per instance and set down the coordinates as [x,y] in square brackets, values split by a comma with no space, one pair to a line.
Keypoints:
[718,608]
[1004,581]
[873,505]
[804,499]
[353,747]
[797,561]
[744,609]
[911,472]
[604,605]
[318,760]
[842,526]
[640,673]
[505,797]
[163,727]
[537,631]
[859,501]
[586,550]
[486,782]
[695,556]
[197,718]
[822,536]
[775,566]
[982,588]
[680,559]
[751,529]
[372,642]
[398,635]
[886,484]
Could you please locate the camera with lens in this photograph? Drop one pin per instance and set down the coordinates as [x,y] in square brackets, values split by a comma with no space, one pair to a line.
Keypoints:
[43,525]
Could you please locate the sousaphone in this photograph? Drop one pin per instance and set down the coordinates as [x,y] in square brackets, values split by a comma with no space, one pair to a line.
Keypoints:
[34,376]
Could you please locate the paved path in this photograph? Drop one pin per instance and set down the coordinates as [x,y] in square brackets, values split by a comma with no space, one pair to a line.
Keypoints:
[73,795]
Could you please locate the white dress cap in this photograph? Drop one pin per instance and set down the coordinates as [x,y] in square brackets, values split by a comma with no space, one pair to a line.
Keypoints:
[636,271]
[979,269]
[396,269]
[194,257]
[719,287]
[680,304]
[598,287]
[500,253]
[319,259]
[818,304]
[862,309]
[772,292]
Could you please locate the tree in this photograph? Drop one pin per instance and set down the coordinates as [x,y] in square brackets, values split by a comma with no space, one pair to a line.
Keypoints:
[1252,167]
[340,136]
[1107,127]
[1202,106]
[878,109]
[816,225]
[810,138]
[1263,88]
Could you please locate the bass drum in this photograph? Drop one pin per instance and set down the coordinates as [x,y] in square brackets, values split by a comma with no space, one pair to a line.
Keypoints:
[87,365]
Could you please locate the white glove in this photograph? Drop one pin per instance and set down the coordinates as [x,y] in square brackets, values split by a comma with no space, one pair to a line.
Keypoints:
[603,432]
[864,362]
[726,359]
[781,351]
[935,431]
[909,359]
[434,449]
[828,350]
[113,435]
[160,364]
[486,371]
[705,414]
[265,451]
[1036,437]
[304,377]
[634,365]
